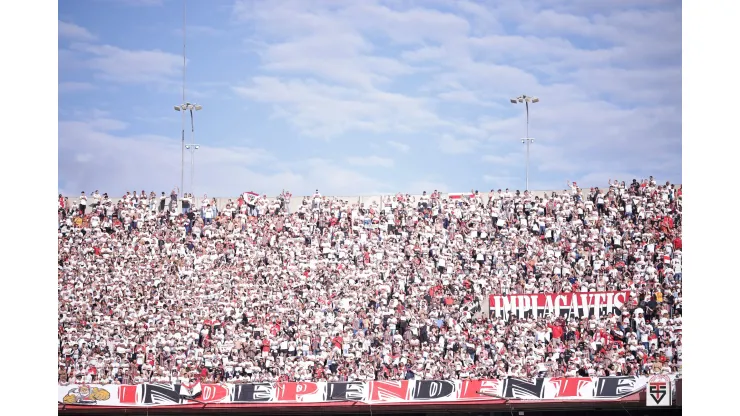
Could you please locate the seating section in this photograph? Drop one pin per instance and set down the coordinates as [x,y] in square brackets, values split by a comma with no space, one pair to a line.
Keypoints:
[154,290]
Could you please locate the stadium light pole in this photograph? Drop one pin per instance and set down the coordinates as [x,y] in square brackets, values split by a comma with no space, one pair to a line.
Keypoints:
[526,140]
[184,103]
[192,146]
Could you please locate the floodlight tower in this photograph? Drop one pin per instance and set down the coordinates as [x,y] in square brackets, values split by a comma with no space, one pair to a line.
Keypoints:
[526,140]
[192,147]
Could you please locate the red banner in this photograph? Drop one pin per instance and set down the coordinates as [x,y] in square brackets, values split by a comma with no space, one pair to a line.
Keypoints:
[577,304]
[369,392]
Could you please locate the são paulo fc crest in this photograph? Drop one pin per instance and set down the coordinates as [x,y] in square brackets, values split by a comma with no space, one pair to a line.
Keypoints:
[659,391]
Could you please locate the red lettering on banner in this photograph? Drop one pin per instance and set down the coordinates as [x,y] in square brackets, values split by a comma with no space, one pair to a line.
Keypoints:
[469,389]
[212,393]
[389,390]
[290,392]
[569,386]
[127,394]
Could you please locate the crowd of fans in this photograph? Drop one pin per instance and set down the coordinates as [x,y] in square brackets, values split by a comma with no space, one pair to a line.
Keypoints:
[156,289]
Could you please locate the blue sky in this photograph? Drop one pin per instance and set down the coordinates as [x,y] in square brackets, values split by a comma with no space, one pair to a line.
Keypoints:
[366,97]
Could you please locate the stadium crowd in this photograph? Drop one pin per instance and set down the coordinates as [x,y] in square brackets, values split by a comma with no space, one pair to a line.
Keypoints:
[158,289]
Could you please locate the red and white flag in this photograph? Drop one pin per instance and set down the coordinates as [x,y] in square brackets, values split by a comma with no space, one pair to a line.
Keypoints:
[460,196]
[250,196]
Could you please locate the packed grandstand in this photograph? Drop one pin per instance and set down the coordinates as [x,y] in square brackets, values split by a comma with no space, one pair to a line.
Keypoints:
[162,289]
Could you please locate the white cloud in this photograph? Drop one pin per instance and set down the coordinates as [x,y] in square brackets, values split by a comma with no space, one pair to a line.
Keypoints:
[104,123]
[97,153]
[323,110]
[342,60]
[345,90]
[401,147]
[453,146]
[72,31]
[370,161]
[424,54]
[126,66]
[71,86]
[461,96]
